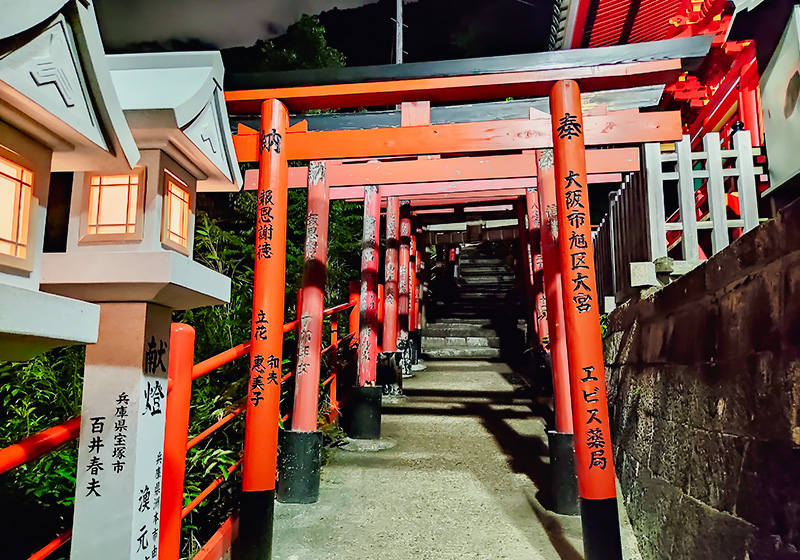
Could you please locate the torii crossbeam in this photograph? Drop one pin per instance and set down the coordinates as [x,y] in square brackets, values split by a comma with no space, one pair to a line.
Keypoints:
[442,169]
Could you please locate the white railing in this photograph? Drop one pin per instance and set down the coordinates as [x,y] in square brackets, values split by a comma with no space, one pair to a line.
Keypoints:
[652,230]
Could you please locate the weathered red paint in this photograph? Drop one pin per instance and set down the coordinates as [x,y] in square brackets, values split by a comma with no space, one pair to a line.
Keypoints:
[392,264]
[594,462]
[269,285]
[381,305]
[413,270]
[309,342]
[368,338]
[354,297]
[403,298]
[534,235]
[551,258]
[525,271]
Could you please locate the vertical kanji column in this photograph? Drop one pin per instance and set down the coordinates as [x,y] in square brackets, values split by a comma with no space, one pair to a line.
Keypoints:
[389,360]
[120,451]
[564,485]
[404,293]
[390,289]
[362,417]
[266,342]
[525,273]
[595,467]
[413,304]
[301,447]
[534,233]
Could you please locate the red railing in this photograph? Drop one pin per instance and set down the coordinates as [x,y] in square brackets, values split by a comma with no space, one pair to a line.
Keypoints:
[182,373]
[32,448]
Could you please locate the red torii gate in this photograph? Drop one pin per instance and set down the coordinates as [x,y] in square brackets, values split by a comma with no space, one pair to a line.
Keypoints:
[277,143]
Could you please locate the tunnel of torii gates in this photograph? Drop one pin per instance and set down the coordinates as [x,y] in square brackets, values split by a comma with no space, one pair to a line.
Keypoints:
[538,161]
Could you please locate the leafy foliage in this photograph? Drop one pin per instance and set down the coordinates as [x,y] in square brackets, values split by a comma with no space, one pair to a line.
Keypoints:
[37,395]
[303,47]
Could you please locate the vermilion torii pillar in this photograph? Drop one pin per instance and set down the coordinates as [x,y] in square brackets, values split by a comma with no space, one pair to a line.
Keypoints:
[533,216]
[266,342]
[412,284]
[413,304]
[525,271]
[362,417]
[560,441]
[595,467]
[392,264]
[403,299]
[301,447]
[404,295]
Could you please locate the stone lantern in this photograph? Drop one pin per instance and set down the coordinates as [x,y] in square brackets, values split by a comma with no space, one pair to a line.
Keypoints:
[129,249]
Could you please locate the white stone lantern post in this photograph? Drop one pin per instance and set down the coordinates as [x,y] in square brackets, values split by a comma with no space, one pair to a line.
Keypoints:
[129,249]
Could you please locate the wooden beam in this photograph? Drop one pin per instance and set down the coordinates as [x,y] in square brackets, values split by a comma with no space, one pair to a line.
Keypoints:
[455,89]
[498,197]
[618,127]
[614,100]
[479,188]
[432,170]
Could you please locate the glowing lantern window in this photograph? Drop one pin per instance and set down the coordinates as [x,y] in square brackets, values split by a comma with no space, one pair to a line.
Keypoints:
[176,212]
[113,204]
[16,185]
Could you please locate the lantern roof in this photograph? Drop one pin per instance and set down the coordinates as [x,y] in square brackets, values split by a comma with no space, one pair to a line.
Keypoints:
[55,84]
[175,102]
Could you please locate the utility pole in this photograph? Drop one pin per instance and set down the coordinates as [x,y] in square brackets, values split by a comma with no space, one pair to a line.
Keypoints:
[399,33]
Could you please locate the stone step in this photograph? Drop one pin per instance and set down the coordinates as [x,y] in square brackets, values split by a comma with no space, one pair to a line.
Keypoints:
[483,315]
[477,270]
[456,330]
[479,260]
[435,342]
[494,297]
[488,279]
[462,353]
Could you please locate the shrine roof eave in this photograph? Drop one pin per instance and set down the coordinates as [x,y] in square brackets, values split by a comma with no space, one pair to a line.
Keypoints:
[614,100]
[466,80]
[66,102]
[174,102]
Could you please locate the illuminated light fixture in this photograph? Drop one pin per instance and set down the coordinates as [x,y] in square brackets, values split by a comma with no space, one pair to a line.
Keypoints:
[16,186]
[436,211]
[502,208]
[114,206]
[177,205]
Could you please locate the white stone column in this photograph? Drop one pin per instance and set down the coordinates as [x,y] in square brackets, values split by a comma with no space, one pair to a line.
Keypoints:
[118,490]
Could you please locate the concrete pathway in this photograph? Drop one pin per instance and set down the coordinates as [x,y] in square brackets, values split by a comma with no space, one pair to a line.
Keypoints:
[460,479]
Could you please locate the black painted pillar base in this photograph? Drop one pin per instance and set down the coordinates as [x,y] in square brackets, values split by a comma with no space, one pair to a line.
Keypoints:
[256,515]
[361,414]
[299,464]
[416,344]
[601,535]
[563,477]
[389,373]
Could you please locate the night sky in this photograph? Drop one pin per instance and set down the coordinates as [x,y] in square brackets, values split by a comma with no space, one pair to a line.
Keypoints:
[362,30]
[224,23]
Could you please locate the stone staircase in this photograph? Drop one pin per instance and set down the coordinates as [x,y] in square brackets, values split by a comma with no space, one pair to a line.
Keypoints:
[482,315]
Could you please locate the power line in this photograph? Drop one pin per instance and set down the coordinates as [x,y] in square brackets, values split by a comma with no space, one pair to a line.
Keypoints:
[527,3]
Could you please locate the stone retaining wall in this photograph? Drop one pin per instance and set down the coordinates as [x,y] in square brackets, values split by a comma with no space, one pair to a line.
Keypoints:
[704,390]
